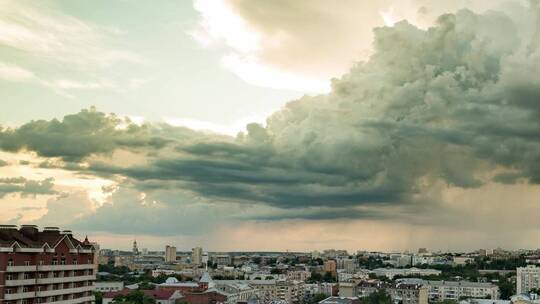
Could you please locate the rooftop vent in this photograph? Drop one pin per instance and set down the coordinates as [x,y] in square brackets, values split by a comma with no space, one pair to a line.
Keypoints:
[8,227]
[51,229]
[29,231]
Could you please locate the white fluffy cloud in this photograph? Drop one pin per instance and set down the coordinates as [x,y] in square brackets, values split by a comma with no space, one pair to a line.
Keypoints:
[301,45]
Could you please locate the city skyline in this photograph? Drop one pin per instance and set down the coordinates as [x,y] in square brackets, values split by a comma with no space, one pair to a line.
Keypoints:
[270,125]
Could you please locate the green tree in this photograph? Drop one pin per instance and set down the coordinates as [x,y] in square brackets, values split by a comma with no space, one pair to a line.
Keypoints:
[328,277]
[506,289]
[315,277]
[135,297]
[378,297]
[99,297]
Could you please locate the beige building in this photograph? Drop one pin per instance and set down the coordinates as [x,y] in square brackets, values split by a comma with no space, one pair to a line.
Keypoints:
[527,278]
[454,290]
[170,254]
[196,255]
[288,291]
[400,292]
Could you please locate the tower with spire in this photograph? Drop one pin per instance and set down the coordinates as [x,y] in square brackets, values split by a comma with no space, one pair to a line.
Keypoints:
[135,248]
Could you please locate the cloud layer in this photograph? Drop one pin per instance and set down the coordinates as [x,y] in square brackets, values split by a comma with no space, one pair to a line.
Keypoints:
[434,117]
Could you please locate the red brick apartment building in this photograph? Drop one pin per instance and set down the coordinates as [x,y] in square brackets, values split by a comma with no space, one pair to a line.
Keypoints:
[45,266]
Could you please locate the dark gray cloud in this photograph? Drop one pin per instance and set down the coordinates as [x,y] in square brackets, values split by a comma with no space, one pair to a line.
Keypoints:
[25,187]
[455,103]
[80,135]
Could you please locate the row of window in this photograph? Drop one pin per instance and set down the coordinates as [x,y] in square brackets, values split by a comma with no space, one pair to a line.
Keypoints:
[44,275]
[44,288]
[52,299]
[54,262]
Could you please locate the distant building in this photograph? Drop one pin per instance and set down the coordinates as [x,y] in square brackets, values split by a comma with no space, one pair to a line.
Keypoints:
[346,264]
[330,266]
[404,293]
[108,286]
[196,255]
[456,290]
[527,278]
[298,275]
[170,254]
[222,259]
[461,260]
[392,272]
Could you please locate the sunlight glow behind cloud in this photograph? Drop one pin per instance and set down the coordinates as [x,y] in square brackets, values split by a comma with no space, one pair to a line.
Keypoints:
[221,24]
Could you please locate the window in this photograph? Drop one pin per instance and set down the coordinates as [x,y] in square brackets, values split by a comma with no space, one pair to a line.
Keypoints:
[9,277]
[55,262]
[25,289]
[26,263]
[10,262]
[40,262]
[26,276]
[8,291]
[63,261]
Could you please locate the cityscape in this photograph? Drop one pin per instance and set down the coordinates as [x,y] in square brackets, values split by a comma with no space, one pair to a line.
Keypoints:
[52,266]
[269,152]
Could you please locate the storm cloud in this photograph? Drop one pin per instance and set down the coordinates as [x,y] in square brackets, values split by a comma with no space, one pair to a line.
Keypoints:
[457,104]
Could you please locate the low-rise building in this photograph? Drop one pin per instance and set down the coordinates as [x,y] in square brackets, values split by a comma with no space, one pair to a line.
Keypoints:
[404,293]
[298,275]
[108,286]
[456,290]
[160,296]
[392,272]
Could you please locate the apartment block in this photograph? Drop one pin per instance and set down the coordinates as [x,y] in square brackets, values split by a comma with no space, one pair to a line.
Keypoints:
[46,266]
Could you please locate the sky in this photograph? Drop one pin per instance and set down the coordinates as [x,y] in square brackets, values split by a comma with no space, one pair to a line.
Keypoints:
[273,125]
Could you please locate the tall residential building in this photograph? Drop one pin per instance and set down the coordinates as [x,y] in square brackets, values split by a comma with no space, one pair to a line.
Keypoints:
[330,266]
[196,255]
[170,254]
[45,266]
[527,278]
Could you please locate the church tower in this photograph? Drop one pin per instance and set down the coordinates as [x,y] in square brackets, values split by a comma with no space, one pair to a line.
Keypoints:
[135,248]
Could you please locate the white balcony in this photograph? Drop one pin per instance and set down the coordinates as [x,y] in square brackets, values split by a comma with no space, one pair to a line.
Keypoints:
[19,295]
[65,267]
[21,268]
[20,282]
[66,279]
[57,292]
[74,301]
